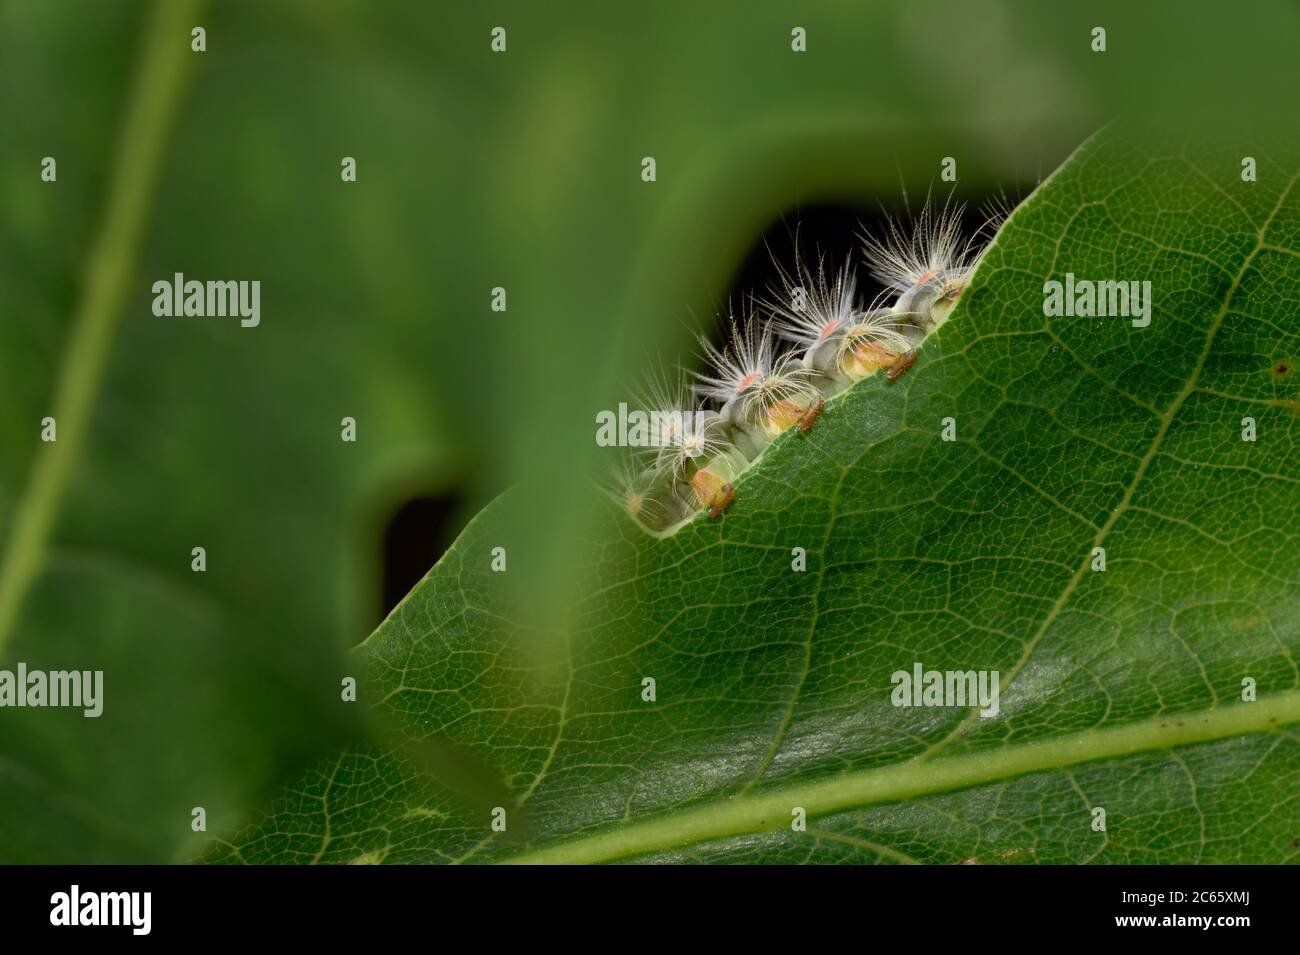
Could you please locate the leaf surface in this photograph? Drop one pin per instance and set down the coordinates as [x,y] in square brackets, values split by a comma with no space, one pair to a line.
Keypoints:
[1120,689]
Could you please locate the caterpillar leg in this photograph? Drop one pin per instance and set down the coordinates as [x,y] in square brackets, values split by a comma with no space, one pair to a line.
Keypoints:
[904,362]
[810,414]
[726,495]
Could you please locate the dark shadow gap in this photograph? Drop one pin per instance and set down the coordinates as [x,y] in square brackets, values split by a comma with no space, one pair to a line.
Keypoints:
[832,229]
[419,533]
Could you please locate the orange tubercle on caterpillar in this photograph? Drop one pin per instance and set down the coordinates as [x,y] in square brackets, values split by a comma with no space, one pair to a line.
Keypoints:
[787,413]
[712,491]
[867,357]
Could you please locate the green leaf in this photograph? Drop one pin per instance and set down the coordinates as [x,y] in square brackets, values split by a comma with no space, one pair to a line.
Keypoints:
[476,170]
[172,434]
[1120,689]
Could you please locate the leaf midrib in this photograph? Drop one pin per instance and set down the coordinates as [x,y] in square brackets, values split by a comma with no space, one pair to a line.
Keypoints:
[740,815]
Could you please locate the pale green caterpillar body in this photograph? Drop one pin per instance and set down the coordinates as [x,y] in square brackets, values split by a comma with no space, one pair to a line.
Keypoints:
[808,340]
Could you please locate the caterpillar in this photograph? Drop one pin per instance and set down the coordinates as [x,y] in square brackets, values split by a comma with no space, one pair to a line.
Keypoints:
[806,339]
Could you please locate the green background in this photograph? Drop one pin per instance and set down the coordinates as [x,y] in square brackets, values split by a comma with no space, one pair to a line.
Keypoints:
[475,170]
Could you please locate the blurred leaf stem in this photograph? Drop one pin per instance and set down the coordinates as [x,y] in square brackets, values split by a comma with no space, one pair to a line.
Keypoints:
[152,109]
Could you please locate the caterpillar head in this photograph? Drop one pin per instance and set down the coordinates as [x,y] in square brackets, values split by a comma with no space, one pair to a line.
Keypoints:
[664,395]
[757,389]
[697,437]
[927,264]
[925,306]
[740,368]
[813,309]
[638,490]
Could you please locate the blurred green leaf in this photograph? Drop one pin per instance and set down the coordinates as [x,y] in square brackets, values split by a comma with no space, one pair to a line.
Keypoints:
[1119,689]
[474,171]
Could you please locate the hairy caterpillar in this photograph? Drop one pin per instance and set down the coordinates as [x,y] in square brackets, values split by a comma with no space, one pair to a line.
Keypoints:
[808,339]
